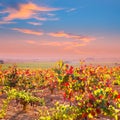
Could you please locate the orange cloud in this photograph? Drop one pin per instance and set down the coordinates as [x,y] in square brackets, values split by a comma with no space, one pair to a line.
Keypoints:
[27,31]
[30,42]
[26,11]
[68,35]
[54,47]
[43,43]
[64,44]
[59,34]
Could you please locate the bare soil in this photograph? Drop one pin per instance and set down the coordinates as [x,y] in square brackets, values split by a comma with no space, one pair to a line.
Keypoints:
[14,111]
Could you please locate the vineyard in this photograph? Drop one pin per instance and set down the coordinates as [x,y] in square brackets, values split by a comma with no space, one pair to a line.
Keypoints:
[62,92]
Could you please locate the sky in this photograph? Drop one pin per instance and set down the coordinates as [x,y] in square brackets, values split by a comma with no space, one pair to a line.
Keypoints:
[59,28]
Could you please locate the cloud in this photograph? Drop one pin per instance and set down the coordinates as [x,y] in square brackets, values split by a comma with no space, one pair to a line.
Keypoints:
[6,22]
[53,19]
[40,18]
[71,10]
[26,11]
[59,34]
[30,42]
[35,23]
[45,19]
[71,36]
[4,11]
[51,14]
[64,44]
[27,31]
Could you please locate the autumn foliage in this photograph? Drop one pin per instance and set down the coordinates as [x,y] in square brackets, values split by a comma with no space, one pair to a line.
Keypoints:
[88,91]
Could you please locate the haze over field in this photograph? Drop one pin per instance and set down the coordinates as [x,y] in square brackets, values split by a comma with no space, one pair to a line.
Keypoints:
[59,29]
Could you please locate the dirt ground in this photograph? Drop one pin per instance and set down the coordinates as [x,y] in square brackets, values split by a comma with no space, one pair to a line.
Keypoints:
[14,111]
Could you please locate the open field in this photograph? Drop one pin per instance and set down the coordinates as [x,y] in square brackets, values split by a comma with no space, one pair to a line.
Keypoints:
[30,65]
[60,91]
[50,64]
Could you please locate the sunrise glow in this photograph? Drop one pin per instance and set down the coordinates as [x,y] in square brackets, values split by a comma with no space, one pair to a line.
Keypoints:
[59,29]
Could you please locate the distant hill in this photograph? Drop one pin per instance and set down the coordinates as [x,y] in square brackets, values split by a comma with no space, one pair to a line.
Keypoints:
[1,62]
[90,59]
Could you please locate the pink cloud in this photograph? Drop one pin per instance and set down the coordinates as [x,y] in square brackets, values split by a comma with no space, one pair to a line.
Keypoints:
[6,22]
[35,23]
[55,47]
[40,18]
[71,36]
[59,34]
[51,14]
[27,31]
[45,19]
[30,42]
[26,11]
[64,44]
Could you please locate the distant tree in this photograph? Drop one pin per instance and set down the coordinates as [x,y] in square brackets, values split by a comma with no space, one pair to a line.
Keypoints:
[116,64]
[1,62]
